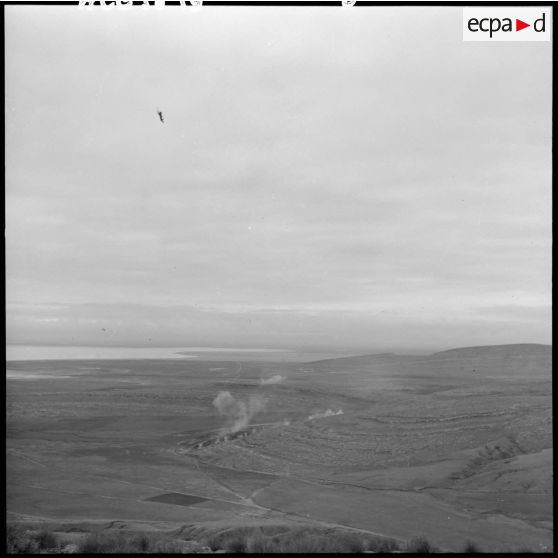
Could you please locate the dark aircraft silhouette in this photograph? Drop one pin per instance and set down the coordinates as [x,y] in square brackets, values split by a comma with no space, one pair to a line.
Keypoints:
[160,115]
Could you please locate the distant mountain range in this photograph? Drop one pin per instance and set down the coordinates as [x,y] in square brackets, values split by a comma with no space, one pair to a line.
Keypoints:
[519,349]
[525,359]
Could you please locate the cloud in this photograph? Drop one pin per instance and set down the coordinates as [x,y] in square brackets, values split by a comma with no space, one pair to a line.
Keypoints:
[276,379]
[237,413]
[291,172]
[328,413]
[437,321]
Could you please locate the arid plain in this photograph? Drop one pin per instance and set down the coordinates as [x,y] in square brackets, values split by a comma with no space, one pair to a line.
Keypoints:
[453,446]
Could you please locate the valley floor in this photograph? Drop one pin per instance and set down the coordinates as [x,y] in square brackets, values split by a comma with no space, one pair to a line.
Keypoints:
[454,447]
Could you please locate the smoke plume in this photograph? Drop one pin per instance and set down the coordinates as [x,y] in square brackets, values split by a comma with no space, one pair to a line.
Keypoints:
[328,413]
[277,379]
[238,413]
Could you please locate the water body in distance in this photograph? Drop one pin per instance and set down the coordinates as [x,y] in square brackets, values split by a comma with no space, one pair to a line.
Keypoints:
[74,352]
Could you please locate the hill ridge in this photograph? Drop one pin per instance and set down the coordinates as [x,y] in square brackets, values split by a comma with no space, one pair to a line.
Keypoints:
[526,349]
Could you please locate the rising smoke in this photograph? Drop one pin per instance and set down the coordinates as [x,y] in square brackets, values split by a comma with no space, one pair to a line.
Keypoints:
[238,413]
[328,413]
[277,379]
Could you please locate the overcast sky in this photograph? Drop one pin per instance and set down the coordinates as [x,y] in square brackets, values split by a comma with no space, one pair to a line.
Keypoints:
[352,179]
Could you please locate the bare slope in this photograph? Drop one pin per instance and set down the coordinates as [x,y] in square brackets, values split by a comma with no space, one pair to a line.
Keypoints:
[520,361]
[452,446]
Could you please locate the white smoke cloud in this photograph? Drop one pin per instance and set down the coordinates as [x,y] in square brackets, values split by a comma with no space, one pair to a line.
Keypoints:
[277,379]
[238,413]
[328,413]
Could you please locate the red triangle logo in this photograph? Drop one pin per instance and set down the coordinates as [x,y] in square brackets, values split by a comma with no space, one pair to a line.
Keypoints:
[519,25]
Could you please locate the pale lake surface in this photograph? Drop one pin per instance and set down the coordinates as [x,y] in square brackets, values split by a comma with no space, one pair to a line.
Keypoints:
[66,352]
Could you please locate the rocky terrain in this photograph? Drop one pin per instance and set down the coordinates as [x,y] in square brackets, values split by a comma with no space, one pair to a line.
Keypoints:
[454,446]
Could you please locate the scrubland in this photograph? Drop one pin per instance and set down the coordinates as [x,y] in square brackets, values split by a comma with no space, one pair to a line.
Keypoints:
[447,452]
